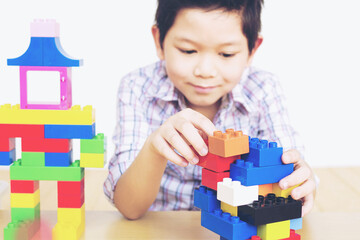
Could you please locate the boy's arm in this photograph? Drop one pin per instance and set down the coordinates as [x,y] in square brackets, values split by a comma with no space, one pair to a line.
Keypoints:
[138,187]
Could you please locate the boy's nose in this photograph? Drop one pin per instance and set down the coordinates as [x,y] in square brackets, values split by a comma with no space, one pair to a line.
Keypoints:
[205,68]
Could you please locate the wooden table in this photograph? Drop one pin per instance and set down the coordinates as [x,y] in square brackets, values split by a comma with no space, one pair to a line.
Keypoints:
[336,214]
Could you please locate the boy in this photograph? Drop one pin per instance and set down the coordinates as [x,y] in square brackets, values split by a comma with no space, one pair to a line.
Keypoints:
[203,82]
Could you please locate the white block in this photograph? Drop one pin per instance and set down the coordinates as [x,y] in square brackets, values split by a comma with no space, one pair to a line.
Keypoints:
[235,194]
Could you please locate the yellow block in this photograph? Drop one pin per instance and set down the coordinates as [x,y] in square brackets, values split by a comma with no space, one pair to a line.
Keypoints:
[75,116]
[71,215]
[68,231]
[92,160]
[229,209]
[274,231]
[283,193]
[25,200]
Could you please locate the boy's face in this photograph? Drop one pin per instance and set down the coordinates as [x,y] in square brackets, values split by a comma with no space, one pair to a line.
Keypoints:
[205,54]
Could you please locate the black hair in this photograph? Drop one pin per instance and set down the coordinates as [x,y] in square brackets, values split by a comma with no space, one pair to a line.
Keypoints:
[249,10]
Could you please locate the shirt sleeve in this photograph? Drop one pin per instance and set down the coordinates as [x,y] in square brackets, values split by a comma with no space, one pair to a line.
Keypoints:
[274,123]
[130,134]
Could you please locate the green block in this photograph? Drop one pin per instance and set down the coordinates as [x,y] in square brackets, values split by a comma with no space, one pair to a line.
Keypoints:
[71,173]
[95,145]
[21,230]
[22,214]
[33,159]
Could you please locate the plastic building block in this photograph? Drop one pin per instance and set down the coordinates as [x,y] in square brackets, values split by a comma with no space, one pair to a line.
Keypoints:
[22,186]
[45,51]
[70,194]
[45,28]
[7,144]
[283,193]
[293,236]
[65,100]
[254,238]
[265,189]
[33,159]
[70,131]
[74,215]
[92,160]
[20,214]
[210,178]
[216,163]
[270,209]
[46,145]
[71,173]
[74,116]
[68,231]
[248,175]
[228,144]
[296,223]
[7,158]
[24,200]
[21,131]
[227,226]
[21,230]
[274,231]
[229,209]
[262,153]
[58,159]
[205,199]
[95,145]
[234,194]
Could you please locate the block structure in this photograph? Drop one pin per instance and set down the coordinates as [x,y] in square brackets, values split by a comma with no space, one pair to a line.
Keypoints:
[46,131]
[236,176]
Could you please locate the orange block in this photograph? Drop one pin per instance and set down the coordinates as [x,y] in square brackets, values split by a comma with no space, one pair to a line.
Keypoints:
[265,189]
[228,144]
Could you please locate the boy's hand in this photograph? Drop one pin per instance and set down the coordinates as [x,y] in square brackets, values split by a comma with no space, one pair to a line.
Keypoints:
[302,174]
[179,132]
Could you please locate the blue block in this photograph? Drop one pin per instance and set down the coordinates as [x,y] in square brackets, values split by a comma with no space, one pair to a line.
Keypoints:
[296,224]
[248,175]
[227,226]
[44,51]
[205,199]
[70,131]
[262,153]
[7,158]
[58,159]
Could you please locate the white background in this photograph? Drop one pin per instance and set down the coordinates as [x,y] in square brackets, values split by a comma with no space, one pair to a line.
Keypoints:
[313,46]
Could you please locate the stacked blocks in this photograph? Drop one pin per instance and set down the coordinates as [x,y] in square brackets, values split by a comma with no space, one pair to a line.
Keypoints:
[240,197]
[46,131]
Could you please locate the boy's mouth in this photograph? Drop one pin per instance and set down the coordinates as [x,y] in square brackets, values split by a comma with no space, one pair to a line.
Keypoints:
[203,89]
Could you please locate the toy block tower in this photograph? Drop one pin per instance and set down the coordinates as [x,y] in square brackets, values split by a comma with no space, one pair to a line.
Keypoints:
[46,131]
[240,197]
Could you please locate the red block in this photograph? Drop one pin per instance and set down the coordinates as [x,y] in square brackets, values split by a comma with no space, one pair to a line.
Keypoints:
[216,163]
[24,186]
[71,194]
[254,238]
[6,144]
[210,178]
[46,145]
[293,236]
[22,130]
[70,187]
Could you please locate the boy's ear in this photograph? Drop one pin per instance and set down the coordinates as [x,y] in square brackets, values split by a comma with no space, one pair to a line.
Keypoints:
[258,42]
[156,35]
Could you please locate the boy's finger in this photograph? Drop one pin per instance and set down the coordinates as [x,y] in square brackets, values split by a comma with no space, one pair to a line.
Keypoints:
[200,121]
[168,153]
[291,156]
[296,177]
[303,190]
[308,204]
[178,143]
[191,136]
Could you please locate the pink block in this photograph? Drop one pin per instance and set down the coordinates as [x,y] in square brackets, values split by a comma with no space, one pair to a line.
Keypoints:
[45,28]
[65,88]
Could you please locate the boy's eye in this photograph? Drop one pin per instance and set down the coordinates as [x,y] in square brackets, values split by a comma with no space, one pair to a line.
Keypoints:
[227,55]
[187,51]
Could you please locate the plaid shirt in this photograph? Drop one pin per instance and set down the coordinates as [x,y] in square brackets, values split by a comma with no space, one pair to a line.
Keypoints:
[147,98]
